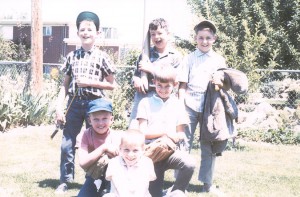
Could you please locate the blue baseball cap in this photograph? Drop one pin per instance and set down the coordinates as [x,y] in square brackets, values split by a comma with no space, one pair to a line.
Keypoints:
[99,105]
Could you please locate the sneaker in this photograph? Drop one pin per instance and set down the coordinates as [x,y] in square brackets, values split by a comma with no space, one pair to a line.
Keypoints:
[176,193]
[61,189]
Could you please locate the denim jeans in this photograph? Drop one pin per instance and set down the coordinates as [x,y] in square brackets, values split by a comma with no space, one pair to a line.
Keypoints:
[209,152]
[184,164]
[89,188]
[75,116]
[194,120]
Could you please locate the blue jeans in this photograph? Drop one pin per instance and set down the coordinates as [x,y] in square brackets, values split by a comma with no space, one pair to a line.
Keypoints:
[181,161]
[209,152]
[194,120]
[89,189]
[75,116]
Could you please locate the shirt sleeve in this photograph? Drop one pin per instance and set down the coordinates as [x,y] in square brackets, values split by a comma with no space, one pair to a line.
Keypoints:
[183,70]
[142,109]
[152,175]
[67,66]
[82,140]
[182,114]
[107,67]
[111,168]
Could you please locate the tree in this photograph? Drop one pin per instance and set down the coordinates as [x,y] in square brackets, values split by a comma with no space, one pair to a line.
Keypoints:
[255,34]
[7,50]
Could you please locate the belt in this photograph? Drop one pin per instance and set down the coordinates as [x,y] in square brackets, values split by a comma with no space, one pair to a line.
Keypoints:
[90,97]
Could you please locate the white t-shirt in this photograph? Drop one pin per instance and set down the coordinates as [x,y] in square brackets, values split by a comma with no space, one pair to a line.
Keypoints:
[162,115]
[134,180]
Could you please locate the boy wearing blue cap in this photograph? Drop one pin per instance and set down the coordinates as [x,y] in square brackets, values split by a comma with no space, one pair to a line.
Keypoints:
[88,72]
[96,141]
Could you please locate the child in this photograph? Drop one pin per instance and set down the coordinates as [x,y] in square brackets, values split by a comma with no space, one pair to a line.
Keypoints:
[95,141]
[163,115]
[197,70]
[88,71]
[161,52]
[131,171]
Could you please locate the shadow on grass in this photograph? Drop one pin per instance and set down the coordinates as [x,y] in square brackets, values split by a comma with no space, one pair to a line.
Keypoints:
[53,183]
[191,187]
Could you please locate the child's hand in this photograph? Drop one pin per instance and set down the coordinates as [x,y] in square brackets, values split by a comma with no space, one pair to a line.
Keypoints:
[174,137]
[111,150]
[60,116]
[139,86]
[218,78]
[146,66]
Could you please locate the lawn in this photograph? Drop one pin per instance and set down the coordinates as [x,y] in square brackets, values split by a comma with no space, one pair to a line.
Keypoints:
[29,166]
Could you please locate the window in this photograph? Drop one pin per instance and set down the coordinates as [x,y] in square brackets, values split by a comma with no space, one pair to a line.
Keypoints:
[109,33]
[47,31]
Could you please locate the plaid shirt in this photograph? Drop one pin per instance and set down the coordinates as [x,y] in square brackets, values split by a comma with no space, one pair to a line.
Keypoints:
[197,69]
[94,64]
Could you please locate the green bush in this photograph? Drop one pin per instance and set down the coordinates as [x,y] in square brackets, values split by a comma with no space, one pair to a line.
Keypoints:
[280,136]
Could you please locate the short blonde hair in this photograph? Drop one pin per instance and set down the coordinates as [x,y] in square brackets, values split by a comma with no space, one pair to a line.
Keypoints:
[133,136]
[165,73]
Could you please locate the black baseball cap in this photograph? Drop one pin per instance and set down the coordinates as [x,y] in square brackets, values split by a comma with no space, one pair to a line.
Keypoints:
[87,15]
[206,24]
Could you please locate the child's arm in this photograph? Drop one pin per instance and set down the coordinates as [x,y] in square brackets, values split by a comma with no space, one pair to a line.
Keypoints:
[108,84]
[60,116]
[182,90]
[86,159]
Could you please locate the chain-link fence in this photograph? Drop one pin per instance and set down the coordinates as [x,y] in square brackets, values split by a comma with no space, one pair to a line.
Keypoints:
[279,88]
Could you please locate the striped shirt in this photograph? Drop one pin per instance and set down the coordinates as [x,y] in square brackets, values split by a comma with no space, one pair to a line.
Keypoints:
[197,69]
[93,64]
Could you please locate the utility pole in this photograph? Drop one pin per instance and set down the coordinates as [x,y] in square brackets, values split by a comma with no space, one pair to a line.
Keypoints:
[36,47]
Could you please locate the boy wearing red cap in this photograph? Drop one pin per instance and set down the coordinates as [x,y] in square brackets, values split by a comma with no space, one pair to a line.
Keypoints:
[88,72]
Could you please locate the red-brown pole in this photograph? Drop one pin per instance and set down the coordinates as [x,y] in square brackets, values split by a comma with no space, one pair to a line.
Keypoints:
[36,47]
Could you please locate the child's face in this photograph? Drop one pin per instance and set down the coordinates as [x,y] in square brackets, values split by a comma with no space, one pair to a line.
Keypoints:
[159,38]
[87,33]
[101,121]
[164,90]
[131,152]
[205,39]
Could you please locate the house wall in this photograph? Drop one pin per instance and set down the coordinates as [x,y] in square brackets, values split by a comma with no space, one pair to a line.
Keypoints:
[54,47]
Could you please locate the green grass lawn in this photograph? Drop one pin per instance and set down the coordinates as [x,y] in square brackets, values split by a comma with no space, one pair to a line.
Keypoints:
[29,166]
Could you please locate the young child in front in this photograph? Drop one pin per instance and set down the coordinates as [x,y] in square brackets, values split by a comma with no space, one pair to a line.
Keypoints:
[162,51]
[131,171]
[94,142]
[88,72]
[163,115]
[198,69]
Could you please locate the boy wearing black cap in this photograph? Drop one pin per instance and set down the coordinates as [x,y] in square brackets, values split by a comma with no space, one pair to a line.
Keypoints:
[88,71]
[198,69]
[95,141]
